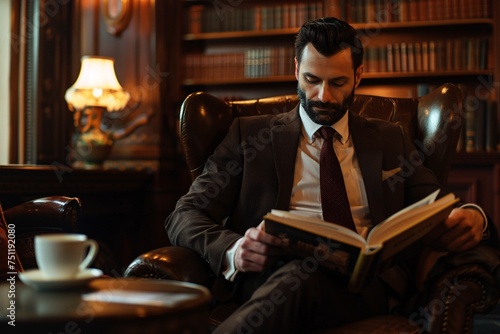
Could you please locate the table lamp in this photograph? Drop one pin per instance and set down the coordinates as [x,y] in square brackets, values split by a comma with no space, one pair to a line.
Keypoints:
[95,92]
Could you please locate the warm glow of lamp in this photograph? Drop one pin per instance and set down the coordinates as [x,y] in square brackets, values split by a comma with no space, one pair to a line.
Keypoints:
[95,92]
[97,86]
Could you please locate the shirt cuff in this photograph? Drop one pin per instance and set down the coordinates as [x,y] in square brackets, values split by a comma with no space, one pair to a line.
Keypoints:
[481,211]
[231,271]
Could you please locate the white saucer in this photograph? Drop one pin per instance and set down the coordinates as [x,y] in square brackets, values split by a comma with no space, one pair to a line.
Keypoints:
[35,279]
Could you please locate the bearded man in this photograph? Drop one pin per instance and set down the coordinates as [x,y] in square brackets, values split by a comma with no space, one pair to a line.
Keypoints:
[273,162]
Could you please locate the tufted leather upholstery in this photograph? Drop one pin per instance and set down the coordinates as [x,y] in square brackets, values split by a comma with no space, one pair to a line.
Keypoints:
[434,122]
[52,214]
[433,119]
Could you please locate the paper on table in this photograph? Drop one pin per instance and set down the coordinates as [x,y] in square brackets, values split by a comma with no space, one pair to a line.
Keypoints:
[168,299]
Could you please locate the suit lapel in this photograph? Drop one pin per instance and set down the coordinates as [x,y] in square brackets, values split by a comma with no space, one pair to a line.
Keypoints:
[369,153]
[285,140]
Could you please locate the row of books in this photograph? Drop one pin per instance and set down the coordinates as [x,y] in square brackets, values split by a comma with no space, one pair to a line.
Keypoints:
[481,128]
[464,54]
[202,19]
[251,63]
[361,11]
[279,15]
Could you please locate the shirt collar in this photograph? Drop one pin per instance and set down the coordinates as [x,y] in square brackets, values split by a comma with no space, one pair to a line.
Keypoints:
[309,128]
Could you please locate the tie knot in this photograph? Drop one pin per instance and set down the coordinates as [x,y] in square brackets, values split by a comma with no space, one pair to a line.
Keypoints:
[326,132]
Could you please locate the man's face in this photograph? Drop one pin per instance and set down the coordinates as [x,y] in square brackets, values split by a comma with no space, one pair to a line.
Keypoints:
[326,84]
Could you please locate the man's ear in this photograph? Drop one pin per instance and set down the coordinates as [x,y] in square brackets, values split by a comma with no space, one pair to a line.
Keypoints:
[296,68]
[358,75]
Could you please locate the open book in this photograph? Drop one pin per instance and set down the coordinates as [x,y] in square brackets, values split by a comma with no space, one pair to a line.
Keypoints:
[346,252]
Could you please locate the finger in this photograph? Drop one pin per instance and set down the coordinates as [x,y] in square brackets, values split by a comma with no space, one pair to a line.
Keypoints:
[263,237]
[261,226]
[248,260]
[457,239]
[259,247]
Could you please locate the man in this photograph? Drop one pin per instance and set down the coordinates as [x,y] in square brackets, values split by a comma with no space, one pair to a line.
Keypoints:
[272,162]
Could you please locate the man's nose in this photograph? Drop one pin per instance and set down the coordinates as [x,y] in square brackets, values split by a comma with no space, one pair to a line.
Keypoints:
[324,94]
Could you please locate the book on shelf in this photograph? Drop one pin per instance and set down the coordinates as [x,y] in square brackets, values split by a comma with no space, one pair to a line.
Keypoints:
[348,253]
[492,127]
[481,127]
[463,54]
[221,17]
[239,65]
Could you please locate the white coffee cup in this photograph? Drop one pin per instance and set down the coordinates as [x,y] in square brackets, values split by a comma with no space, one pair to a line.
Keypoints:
[62,256]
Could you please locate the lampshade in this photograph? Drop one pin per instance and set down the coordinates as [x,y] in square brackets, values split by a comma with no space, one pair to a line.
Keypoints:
[97,86]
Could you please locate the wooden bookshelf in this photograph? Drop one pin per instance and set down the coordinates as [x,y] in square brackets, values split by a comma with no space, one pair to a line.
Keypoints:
[378,77]
[387,26]
[240,28]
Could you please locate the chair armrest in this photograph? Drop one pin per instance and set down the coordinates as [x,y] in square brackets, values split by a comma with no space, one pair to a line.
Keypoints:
[55,213]
[459,286]
[173,262]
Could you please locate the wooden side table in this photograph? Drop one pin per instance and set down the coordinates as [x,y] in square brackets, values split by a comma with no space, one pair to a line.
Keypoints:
[70,311]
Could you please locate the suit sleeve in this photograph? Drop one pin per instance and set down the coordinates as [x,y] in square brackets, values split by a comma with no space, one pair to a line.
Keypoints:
[198,219]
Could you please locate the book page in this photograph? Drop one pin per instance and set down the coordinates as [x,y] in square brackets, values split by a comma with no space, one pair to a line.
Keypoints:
[382,226]
[317,226]
[400,222]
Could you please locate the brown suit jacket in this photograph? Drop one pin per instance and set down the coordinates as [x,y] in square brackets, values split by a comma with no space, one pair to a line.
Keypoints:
[251,172]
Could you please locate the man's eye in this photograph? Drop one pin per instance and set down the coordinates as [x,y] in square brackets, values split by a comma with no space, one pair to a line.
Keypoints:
[338,83]
[311,80]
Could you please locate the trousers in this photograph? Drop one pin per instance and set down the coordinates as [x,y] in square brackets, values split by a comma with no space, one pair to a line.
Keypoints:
[299,297]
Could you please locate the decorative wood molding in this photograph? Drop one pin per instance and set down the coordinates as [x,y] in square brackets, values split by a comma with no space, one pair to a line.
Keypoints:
[117,14]
[467,188]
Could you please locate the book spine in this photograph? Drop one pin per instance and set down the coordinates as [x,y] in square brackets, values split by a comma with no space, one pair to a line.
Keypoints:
[397,57]
[362,270]
[425,56]
[372,61]
[432,56]
[411,57]
[404,57]
[470,123]
[418,57]
[390,58]
[492,126]
[335,9]
[480,140]
[382,56]
[414,10]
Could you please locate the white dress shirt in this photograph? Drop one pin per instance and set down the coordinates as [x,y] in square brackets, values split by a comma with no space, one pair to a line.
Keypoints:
[306,198]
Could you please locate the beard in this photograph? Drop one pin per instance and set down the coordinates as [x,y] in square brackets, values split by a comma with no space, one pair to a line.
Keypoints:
[330,113]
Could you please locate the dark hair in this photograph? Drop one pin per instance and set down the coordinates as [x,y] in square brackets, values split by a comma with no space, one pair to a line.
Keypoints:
[329,35]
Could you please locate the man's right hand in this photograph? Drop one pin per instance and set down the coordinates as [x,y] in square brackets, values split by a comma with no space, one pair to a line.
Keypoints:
[257,251]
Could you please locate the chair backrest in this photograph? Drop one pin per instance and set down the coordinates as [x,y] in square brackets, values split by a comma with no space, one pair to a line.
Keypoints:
[433,121]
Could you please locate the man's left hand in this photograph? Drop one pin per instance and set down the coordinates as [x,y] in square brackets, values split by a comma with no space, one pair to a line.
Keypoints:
[462,230]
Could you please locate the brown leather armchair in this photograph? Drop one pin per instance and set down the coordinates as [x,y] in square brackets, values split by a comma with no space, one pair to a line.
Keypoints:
[53,214]
[434,122]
